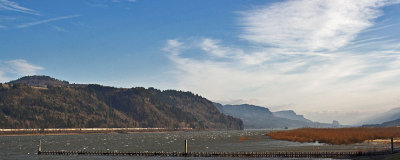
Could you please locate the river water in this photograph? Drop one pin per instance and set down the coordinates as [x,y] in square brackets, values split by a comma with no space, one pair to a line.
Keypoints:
[25,147]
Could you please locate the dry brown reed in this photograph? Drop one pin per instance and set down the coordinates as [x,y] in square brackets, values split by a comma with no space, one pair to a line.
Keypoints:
[336,135]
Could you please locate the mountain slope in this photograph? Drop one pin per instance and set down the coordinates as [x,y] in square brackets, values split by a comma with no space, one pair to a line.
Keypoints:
[25,106]
[290,114]
[385,124]
[256,117]
[391,123]
[391,115]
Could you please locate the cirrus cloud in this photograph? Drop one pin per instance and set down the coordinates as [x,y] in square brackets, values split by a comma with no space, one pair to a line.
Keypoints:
[16,68]
[13,6]
[300,60]
[311,25]
[46,21]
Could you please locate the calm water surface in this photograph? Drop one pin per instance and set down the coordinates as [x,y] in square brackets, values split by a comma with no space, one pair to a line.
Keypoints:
[25,147]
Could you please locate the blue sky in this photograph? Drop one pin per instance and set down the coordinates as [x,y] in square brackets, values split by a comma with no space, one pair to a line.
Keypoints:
[325,59]
[104,41]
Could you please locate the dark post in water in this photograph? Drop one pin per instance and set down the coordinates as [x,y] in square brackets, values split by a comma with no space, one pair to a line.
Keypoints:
[186,150]
[391,142]
[40,147]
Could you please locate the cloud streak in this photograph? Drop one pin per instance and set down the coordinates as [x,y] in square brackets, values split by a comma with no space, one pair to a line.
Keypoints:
[116,1]
[310,25]
[46,21]
[22,67]
[16,68]
[13,6]
[299,60]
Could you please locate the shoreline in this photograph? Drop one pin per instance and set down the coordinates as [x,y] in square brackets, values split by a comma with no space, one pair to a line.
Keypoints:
[85,131]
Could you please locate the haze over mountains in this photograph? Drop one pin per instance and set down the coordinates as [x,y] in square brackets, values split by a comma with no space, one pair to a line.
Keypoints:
[385,124]
[290,114]
[256,117]
[45,102]
[389,118]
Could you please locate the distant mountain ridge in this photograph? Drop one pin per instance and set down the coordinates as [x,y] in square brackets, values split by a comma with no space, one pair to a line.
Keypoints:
[385,124]
[391,123]
[45,102]
[380,118]
[256,117]
[290,114]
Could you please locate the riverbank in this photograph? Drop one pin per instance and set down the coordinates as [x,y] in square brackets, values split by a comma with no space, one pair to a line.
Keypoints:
[77,131]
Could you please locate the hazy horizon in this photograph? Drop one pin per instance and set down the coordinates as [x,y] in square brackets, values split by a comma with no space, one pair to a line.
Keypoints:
[327,60]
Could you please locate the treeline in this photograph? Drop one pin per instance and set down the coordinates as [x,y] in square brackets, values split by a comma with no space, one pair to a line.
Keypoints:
[23,106]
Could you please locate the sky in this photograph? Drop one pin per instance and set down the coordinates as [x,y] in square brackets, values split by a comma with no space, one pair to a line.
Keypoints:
[328,60]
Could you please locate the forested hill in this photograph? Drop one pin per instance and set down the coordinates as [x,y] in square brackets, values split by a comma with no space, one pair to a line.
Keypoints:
[23,105]
[39,81]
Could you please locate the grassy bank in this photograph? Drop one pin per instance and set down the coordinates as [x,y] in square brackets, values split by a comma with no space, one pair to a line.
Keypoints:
[336,135]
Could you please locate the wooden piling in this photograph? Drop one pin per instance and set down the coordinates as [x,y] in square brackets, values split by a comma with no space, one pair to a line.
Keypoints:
[186,146]
[392,147]
[40,147]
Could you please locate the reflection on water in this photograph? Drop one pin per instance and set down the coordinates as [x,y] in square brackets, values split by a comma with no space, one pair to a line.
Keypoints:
[20,147]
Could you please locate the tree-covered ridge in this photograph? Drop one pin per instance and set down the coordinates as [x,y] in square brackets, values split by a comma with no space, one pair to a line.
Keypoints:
[39,81]
[23,106]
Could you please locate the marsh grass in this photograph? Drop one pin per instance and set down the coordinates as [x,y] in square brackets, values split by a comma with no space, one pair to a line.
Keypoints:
[336,135]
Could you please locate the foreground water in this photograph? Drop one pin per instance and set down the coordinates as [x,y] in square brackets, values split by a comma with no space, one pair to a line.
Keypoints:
[25,147]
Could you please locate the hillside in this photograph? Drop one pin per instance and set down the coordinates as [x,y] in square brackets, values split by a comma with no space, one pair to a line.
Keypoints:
[256,117]
[28,106]
[290,114]
[380,118]
[390,123]
[393,123]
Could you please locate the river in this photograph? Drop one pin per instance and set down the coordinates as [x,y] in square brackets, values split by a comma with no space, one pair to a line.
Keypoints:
[25,147]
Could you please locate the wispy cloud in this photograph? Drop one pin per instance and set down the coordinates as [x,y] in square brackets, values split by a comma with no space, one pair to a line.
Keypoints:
[2,77]
[46,21]
[174,47]
[57,28]
[310,25]
[15,68]
[13,6]
[22,67]
[299,59]
[123,0]
[109,3]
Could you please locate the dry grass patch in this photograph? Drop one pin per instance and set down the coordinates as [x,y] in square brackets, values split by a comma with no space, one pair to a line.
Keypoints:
[336,135]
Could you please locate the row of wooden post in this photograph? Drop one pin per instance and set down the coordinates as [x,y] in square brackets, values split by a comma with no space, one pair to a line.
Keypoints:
[186,146]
